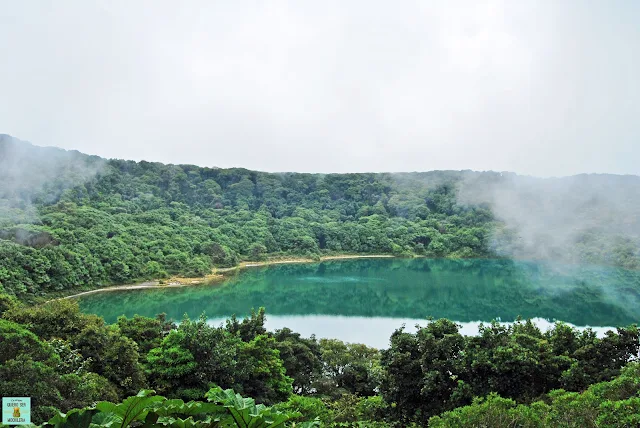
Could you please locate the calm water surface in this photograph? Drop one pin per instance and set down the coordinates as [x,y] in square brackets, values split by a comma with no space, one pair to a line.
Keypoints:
[364,300]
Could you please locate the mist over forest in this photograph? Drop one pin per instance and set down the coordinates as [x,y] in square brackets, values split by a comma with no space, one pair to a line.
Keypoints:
[71,222]
[69,219]
[320,214]
[557,218]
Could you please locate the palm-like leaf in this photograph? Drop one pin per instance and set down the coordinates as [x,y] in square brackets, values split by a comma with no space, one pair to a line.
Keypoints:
[244,411]
[131,409]
[191,408]
[76,418]
[225,409]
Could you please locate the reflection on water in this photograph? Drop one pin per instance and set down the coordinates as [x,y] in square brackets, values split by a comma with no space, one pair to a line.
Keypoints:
[377,290]
[338,279]
[373,332]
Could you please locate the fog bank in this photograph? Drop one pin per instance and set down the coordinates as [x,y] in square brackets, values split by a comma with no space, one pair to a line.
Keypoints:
[558,218]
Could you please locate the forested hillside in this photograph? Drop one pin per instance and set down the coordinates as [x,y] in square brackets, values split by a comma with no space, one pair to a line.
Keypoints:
[70,220]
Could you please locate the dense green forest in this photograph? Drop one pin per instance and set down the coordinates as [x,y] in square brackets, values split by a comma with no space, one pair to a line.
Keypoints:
[64,359]
[69,220]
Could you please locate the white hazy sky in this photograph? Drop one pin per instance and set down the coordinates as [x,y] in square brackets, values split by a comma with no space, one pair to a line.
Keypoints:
[537,87]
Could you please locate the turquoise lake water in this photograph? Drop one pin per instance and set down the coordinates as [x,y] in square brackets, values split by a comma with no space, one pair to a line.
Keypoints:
[364,300]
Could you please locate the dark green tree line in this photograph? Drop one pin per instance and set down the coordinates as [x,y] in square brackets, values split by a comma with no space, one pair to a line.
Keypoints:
[64,359]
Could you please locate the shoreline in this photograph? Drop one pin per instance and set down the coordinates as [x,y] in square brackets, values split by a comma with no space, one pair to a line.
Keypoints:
[218,274]
[248,264]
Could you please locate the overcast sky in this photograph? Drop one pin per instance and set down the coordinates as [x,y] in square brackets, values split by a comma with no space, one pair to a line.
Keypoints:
[547,88]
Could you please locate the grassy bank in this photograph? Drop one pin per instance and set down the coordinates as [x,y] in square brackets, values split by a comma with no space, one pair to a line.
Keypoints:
[216,275]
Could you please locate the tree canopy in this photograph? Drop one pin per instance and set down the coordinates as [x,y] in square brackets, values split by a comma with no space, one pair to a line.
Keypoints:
[66,360]
[69,220]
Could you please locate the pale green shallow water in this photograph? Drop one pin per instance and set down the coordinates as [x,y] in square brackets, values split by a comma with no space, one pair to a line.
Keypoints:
[364,300]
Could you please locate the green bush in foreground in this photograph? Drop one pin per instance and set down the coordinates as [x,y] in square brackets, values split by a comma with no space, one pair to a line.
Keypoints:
[606,404]
[67,360]
[223,409]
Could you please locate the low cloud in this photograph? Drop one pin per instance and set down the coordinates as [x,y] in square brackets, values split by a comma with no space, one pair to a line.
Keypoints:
[566,218]
[30,174]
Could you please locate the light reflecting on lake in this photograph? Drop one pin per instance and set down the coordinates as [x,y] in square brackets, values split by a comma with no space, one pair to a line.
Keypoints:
[373,332]
[365,300]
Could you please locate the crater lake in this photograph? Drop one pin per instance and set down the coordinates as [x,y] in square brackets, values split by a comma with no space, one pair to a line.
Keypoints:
[365,300]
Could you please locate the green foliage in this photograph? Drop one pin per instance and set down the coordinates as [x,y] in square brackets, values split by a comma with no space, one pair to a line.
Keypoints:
[260,371]
[308,409]
[75,221]
[78,390]
[244,412]
[53,374]
[249,328]
[258,252]
[76,418]
[348,368]
[608,404]
[7,302]
[492,411]
[62,323]
[113,356]
[437,369]
[138,220]
[16,340]
[423,370]
[132,409]
[517,369]
[224,409]
[146,332]
[240,355]
[301,357]
[56,319]
[169,363]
